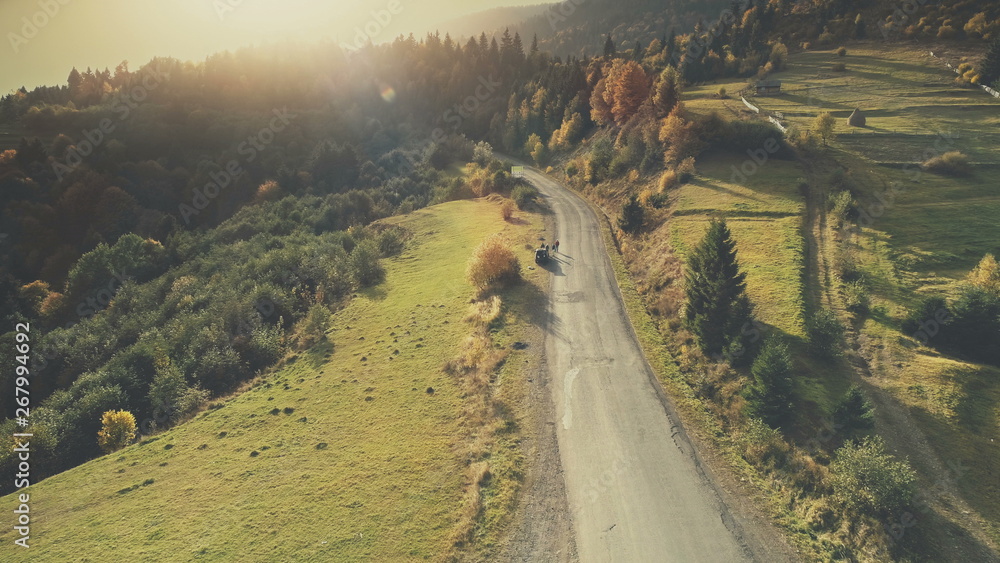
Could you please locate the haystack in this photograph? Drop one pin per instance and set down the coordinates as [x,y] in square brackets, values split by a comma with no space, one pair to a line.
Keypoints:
[856,119]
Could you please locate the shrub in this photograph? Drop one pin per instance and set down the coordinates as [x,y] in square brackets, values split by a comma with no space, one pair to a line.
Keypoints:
[482,153]
[769,395]
[974,327]
[921,321]
[867,480]
[952,163]
[825,332]
[856,297]
[630,219]
[779,56]
[366,266]
[762,445]
[722,92]
[685,170]
[946,32]
[493,264]
[390,241]
[986,274]
[117,430]
[311,330]
[842,52]
[507,209]
[667,180]
[523,195]
[853,412]
[539,153]
[165,392]
[838,67]
[841,205]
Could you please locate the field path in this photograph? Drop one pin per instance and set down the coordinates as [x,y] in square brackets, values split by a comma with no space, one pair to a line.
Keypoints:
[636,490]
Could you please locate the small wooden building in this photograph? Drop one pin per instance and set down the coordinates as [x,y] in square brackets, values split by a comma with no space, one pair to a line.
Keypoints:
[768,87]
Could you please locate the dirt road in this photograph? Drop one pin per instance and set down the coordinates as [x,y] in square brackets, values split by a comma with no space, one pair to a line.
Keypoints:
[634,487]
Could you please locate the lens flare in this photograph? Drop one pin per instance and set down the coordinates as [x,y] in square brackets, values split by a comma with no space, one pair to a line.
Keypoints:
[388,94]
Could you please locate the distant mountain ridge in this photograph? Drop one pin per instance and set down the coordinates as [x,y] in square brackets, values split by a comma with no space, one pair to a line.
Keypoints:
[492,21]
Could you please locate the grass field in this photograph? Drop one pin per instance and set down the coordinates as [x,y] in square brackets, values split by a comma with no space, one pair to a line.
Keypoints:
[921,241]
[764,213]
[353,451]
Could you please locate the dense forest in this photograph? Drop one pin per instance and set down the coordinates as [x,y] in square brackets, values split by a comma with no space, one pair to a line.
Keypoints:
[172,230]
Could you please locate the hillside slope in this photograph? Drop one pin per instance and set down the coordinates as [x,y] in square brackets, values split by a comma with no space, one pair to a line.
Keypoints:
[352,451]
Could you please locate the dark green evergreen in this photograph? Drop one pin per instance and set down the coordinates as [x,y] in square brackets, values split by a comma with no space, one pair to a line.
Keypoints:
[853,413]
[609,47]
[630,220]
[990,71]
[770,392]
[717,309]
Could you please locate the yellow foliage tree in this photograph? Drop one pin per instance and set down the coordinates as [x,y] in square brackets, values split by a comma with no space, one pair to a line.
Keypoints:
[117,430]
[493,263]
[986,275]
[823,125]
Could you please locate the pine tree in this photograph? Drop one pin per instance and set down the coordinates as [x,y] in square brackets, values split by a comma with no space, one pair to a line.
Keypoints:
[668,92]
[769,395]
[534,44]
[631,217]
[609,47]
[669,46]
[859,28]
[990,72]
[853,412]
[717,308]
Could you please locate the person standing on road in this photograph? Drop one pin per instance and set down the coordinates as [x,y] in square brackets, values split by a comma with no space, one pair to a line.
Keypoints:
[555,247]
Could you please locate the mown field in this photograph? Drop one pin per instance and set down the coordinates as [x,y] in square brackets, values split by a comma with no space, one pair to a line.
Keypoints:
[353,451]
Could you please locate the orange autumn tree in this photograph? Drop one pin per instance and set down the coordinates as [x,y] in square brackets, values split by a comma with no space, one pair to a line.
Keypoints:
[619,94]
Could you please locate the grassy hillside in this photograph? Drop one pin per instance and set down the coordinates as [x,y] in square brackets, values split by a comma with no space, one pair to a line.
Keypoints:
[353,451]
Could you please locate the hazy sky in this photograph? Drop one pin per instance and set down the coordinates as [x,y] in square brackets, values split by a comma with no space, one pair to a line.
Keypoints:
[101,34]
